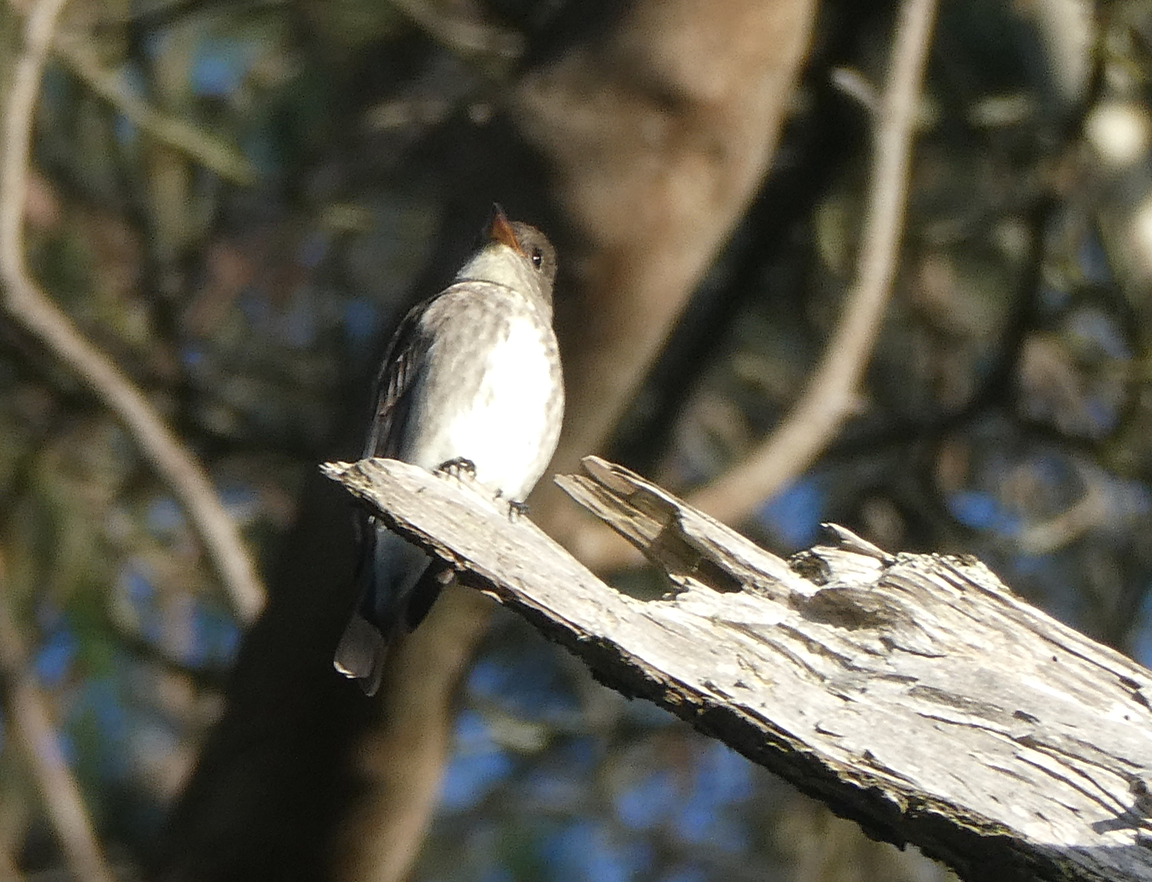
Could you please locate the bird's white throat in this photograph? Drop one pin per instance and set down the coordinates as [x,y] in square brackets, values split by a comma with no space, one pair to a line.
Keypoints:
[501,265]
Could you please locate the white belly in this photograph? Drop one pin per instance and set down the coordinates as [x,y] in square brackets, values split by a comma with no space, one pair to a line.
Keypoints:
[502,428]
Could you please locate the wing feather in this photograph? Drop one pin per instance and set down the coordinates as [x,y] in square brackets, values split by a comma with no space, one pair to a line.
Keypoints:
[400,369]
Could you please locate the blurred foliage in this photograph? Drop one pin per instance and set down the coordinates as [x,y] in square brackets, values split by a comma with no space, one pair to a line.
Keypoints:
[1007,411]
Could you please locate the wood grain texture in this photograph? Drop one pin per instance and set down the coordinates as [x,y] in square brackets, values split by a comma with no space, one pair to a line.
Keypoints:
[913,693]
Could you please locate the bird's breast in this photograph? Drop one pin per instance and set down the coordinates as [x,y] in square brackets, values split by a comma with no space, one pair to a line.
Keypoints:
[502,400]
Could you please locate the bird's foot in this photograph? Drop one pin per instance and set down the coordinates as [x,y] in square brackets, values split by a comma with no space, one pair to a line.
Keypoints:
[517,509]
[457,468]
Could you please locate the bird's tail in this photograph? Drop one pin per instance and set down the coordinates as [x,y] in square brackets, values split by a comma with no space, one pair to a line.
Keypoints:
[361,653]
[389,571]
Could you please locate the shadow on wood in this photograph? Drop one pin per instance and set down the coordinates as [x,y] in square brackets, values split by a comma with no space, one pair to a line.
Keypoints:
[912,693]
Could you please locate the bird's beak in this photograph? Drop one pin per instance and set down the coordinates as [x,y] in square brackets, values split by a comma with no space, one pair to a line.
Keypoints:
[500,230]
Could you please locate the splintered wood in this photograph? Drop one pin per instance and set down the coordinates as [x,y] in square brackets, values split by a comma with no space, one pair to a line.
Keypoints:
[913,693]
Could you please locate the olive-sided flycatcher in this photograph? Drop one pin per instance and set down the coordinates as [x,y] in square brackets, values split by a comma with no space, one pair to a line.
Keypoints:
[471,380]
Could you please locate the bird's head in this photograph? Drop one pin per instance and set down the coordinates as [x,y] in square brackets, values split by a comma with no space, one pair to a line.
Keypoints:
[515,255]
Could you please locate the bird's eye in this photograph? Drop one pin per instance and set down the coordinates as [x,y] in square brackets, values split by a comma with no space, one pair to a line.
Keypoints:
[537,258]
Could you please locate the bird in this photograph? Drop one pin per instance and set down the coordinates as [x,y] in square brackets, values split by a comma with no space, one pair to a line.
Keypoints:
[471,382]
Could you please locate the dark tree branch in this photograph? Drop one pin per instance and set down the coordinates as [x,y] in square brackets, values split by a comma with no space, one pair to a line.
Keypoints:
[31,309]
[29,722]
[913,693]
[831,395]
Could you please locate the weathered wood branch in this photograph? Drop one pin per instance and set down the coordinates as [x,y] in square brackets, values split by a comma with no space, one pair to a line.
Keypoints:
[913,693]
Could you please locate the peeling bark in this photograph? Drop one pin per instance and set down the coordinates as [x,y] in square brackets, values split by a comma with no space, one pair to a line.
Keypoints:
[915,694]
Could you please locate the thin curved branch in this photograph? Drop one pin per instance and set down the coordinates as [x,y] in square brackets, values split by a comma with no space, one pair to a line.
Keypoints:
[27,708]
[830,395]
[211,152]
[460,35]
[35,313]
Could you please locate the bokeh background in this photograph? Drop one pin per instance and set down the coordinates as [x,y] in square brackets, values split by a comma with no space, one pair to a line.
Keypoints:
[236,201]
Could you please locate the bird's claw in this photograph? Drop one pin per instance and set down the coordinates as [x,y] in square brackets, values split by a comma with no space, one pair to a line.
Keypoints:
[517,509]
[457,468]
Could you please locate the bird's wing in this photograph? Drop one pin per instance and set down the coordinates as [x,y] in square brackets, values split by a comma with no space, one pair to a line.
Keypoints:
[393,392]
[387,564]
